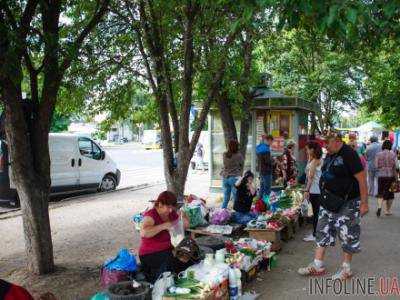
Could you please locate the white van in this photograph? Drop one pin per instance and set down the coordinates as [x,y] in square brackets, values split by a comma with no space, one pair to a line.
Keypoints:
[77,164]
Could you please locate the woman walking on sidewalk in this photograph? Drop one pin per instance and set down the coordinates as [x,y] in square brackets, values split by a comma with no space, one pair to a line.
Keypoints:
[386,164]
[313,175]
[231,171]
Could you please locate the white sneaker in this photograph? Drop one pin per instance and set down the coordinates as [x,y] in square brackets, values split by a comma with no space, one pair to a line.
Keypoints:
[342,274]
[309,238]
[311,270]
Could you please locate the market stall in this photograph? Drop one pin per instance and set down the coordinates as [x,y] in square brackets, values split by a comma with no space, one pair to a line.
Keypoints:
[286,118]
[224,269]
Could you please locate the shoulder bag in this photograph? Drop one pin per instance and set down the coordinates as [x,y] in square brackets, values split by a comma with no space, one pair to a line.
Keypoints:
[329,200]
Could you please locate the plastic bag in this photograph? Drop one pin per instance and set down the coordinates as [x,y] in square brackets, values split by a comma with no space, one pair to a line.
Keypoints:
[177,233]
[306,209]
[124,261]
[108,277]
[195,216]
[220,216]
[165,281]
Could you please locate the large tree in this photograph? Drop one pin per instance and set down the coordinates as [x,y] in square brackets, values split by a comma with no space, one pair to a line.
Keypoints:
[307,65]
[39,40]
[178,51]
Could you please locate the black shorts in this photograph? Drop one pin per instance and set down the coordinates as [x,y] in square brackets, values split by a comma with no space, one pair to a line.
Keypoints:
[384,185]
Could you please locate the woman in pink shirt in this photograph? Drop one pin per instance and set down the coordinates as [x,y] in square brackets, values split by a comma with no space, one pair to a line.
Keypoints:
[155,250]
[386,164]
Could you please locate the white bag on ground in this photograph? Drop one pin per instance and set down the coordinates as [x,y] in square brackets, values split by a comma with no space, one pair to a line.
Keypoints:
[165,281]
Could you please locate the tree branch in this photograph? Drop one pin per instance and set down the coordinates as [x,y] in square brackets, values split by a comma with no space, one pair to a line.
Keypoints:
[213,91]
[72,53]
[26,18]
[32,78]
[187,80]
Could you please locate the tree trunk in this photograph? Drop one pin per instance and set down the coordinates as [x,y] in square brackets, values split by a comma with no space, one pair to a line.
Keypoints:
[227,120]
[31,184]
[245,124]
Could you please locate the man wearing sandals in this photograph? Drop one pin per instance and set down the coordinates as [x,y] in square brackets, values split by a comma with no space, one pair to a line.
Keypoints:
[344,200]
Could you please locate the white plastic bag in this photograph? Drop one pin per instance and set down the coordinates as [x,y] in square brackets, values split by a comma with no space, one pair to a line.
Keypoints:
[177,232]
[306,209]
[165,281]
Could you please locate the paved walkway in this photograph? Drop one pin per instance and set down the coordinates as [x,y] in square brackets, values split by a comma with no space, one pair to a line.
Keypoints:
[380,256]
[89,230]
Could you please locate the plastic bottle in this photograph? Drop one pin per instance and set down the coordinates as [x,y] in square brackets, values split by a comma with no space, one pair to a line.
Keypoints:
[233,287]
[239,281]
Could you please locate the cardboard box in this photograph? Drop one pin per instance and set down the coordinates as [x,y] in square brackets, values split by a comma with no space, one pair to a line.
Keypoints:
[266,235]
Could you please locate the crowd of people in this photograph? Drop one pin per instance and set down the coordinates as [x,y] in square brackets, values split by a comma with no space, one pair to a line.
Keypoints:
[339,177]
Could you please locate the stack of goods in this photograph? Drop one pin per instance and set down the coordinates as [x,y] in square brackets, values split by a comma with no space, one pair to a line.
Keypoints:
[284,201]
[246,254]
[220,216]
[186,288]
[268,221]
[290,213]
[297,197]
[220,229]
[212,276]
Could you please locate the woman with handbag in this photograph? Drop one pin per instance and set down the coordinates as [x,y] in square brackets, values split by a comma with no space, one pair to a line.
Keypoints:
[313,175]
[386,164]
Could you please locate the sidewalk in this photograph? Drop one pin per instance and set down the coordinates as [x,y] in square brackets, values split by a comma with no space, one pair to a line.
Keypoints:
[89,230]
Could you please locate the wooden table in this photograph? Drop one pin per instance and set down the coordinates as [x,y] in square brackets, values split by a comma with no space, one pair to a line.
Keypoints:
[237,230]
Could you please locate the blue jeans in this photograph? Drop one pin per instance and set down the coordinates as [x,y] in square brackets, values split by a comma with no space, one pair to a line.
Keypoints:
[243,218]
[265,185]
[228,184]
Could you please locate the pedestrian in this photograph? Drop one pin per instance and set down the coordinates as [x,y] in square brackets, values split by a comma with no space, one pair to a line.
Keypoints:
[289,164]
[356,147]
[344,199]
[200,155]
[231,171]
[313,175]
[264,165]
[372,150]
[386,165]
[246,192]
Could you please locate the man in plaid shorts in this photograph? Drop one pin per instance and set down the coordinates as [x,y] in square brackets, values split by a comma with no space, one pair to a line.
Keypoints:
[344,201]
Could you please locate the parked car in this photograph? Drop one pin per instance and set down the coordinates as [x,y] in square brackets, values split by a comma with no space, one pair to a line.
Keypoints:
[152,139]
[77,164]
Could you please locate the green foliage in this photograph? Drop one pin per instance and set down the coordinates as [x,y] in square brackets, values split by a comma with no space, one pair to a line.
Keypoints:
[308,66]
[383,83]
[59,122]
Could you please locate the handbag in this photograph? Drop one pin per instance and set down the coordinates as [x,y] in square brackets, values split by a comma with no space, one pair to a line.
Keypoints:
[329,200]
[395,186]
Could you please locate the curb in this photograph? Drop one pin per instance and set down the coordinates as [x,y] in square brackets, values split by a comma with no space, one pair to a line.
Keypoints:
[74,199]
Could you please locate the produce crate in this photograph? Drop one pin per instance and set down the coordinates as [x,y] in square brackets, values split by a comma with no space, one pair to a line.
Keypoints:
[266,235]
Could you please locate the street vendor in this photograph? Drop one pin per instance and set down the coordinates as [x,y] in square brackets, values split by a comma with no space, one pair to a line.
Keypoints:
[246,192]
[156,250]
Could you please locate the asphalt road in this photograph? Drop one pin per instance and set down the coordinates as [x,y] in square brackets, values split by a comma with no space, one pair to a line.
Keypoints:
[137,165]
